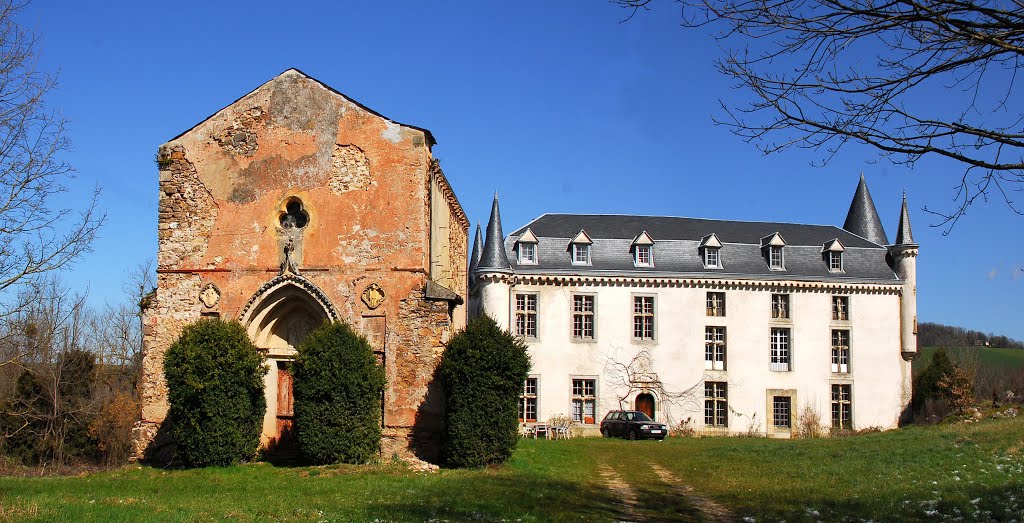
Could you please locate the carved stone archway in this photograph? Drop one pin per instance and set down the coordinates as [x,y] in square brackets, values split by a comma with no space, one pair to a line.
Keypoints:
[278,317]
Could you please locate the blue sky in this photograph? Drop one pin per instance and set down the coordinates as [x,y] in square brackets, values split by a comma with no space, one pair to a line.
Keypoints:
[557,106]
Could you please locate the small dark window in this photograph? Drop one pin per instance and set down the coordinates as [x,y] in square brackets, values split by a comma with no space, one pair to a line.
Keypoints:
[295,217]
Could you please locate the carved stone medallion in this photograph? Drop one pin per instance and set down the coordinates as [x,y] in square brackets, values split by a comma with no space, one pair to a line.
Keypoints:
[373,296]
[210,295]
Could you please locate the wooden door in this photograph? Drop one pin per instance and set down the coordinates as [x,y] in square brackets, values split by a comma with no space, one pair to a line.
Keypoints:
[285,408]
[645,403]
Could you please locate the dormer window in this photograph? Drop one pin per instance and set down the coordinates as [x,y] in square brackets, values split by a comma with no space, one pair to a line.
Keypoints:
[528,253]
[832,252]
[526,248]
[642,256]
[772,248]
[579,249]
[710,248]
[580,254]
[643,250]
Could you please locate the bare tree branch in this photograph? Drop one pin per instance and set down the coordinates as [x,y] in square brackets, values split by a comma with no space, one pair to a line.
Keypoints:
[910,78]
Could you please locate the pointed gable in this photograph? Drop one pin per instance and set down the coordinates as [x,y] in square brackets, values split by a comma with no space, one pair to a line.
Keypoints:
[527,237]
[581,238]
[711,241]
[643,239]
[773,240]
[833,245]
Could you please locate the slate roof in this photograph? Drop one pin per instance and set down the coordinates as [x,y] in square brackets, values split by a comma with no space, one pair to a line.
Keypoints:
[862,219]
[677,248]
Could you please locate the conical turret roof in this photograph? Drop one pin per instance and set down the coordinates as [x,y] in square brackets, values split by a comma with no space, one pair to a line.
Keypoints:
[903,234]
[493,258]
[863,219]
[478,249]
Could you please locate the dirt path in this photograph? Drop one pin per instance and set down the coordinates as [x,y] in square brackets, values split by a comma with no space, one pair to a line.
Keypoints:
[709,509]
[625,493]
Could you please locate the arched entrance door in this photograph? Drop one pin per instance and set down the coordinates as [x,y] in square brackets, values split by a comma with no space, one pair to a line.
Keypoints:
[645,403]
[278,318]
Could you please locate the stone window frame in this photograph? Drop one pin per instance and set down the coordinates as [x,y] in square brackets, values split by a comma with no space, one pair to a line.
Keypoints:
[526,314]
[770,418]
[841,353]
[841,312]
[715,304]
[643,314]
[716,404]
[784,312]
[715,347]
[781,349]
[837,405]
[583,398]
[525,396]
[573,313]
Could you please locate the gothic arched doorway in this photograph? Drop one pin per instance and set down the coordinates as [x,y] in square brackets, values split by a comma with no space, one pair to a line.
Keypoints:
[645,403]
[278,318]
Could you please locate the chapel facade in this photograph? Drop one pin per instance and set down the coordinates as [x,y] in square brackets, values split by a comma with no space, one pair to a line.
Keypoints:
[297,205]
[728,327]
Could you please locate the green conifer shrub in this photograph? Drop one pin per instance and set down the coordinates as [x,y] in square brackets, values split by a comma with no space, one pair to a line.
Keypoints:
[215,388]
[337,392]
[926,384]
[482,372]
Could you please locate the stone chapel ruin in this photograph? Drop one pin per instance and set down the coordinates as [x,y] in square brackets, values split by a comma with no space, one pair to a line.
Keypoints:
[295,205]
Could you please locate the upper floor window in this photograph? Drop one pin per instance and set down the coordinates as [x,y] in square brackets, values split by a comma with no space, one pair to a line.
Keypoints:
[716,304]
[642,256]
[710,257]
[580,254]
[780,306]
[526,315]
[710,247]
[840,308]
[527,253]
[774,257]
[643,250]
[583,316]
[772,246]
[835,262]
[841,351]
[526,248]
[643,317]
[780,356]
[833,254]
[579,248]
[714,348]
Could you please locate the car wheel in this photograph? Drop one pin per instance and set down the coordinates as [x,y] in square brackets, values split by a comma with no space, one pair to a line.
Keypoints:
[632,435]
[605,433]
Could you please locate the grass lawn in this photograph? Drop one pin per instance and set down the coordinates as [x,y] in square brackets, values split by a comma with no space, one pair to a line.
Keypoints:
[987,357]
[956,472]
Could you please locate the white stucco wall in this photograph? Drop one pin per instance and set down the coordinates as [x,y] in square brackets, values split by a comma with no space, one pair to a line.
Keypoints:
[879,376]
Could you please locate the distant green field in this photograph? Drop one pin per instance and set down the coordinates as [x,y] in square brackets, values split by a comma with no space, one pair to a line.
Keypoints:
[986,356]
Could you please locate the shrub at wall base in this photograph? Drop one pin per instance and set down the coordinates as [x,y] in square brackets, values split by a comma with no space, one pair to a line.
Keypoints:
[482,371]
[215,387]
[338,389]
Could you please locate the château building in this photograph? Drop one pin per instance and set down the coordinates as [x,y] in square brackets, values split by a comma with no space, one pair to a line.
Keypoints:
[733,326]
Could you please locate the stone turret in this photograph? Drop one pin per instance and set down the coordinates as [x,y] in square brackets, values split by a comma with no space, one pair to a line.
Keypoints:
[862,219]
[904,259]
[493,270]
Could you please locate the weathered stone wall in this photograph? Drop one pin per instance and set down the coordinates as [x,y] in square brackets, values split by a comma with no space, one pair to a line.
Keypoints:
[295,174]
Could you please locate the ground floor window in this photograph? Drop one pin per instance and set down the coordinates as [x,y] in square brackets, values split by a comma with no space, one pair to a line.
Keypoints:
[528,401]
[584,400]
[781,412]
[716,404]
[842,407]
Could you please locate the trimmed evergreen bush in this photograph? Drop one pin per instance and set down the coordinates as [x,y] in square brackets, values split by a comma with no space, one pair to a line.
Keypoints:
[215,387]
[482,371]
[337,390]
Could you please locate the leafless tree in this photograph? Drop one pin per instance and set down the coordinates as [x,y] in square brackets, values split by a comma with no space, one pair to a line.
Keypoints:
[910,78]
[35,236]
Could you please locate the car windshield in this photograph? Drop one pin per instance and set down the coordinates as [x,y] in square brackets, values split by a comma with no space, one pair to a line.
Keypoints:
[637,416]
